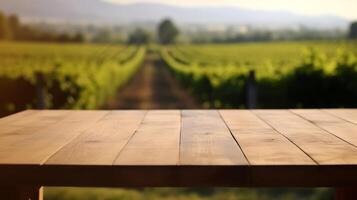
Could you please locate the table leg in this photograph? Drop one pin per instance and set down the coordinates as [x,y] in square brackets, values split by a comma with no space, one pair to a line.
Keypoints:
[21,193]
[346,193]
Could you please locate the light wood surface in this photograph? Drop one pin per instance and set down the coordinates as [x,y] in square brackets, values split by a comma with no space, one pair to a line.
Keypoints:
[38,141]
[261,143]
[323,147]
[100,144]
[156,141]
[179,148]
[206,140]
[332,124]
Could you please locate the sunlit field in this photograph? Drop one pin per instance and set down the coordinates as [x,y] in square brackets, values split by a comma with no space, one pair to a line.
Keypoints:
[217,73]
[74,75]
[259,56]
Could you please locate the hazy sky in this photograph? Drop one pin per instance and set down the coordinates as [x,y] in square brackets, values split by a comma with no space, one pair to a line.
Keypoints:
[343,8]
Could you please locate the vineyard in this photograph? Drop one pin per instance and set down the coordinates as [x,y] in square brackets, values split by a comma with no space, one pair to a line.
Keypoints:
[74,75]
[288,74]
[85,76]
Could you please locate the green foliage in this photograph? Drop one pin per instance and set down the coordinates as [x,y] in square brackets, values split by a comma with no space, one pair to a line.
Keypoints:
[139,36]
[76,76]
[289,74]
[167,32]
[78,37]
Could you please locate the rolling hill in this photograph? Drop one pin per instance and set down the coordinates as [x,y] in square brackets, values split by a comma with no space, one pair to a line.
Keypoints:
[97,11]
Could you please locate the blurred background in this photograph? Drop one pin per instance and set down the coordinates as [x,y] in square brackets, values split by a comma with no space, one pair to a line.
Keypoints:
[167,54]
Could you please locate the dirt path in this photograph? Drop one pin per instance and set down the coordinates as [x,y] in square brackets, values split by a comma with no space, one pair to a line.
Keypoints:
[153,87]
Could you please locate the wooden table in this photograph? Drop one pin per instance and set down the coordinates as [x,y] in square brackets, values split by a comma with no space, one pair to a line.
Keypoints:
[235,148]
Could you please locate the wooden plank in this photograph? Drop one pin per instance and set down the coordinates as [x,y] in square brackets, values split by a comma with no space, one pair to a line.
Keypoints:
[35,144]
[80,147]
[16,117]
[100,144]
[125,176]
[206,140]
[19,128]
[334,125]
[320,145]
[29,119]
[346,114]
[156,142]
[261,143]
[21,193]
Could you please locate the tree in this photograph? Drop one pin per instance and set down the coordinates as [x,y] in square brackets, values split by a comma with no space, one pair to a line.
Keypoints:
[15,26]
[167,32]
[79,37]
[139,36]
[103,36]
[64,37]
[353,30]
[5,31]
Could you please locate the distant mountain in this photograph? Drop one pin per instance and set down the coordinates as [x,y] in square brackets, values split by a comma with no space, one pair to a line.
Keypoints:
[97,11]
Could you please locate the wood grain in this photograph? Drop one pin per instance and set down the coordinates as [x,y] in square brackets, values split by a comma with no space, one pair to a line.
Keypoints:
[30,119]
[193,148]
[156,142]
[334,125]
[22,116]
[100,144]
[346,114]
[34,144]
[206,140]
[320,145]
[261,143]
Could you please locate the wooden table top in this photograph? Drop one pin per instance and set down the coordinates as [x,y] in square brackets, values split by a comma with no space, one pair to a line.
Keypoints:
[180,148]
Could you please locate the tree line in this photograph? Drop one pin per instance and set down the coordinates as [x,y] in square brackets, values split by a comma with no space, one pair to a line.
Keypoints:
[167,33]
[11,28]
